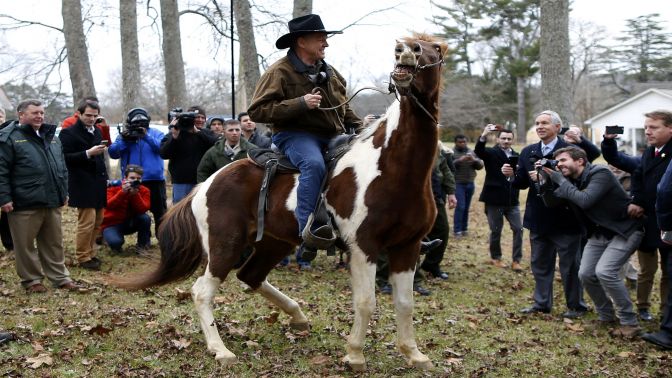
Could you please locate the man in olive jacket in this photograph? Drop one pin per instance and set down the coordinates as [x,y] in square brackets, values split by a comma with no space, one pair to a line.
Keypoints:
[227,150]
[288,96]
[33,188]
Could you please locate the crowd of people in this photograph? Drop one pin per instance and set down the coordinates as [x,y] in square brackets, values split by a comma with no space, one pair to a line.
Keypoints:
[578,214]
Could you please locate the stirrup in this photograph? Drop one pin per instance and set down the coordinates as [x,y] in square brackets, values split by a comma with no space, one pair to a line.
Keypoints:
[321,238]
[428,245]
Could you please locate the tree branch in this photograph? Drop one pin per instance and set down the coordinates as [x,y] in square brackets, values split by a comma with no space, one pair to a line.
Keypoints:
[356,22]
[26,23]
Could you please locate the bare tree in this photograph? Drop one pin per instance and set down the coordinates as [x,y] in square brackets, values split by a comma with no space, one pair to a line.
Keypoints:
[248,63]
[78,56]
[172,54]
[130,57]
[554,58]
[302,8]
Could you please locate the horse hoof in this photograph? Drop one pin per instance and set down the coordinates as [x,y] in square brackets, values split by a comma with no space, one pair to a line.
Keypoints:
[423,364]
[355,366]
[226,359]
[300,326]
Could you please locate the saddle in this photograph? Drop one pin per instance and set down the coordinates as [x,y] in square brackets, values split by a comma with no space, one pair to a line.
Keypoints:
[272,161]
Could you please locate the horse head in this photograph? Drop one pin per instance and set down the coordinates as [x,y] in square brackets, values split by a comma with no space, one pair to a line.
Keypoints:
[418,61]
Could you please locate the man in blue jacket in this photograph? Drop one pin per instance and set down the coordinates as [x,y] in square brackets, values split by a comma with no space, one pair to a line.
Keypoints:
[139,144]
[33,189]
[554,231]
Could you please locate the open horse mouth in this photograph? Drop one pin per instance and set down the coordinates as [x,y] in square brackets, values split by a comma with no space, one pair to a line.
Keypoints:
[403,74]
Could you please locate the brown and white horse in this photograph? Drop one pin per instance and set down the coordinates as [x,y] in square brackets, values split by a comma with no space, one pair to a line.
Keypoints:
[379,195]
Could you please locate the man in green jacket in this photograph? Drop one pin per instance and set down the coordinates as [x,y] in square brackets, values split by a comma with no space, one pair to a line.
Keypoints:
[227,150]
[33,189]
[288,96]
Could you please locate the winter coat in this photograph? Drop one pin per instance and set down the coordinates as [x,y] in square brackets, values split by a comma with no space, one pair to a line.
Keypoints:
[465,170]
[87,176]
[216,158]
[121,205]
[497,190]
[33,174]
[143,152]
[185,154]
[278,100]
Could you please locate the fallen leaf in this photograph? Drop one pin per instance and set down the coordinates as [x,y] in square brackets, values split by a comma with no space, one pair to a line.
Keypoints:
[100,330]
[182,295]
[86,362]
[272,317]
[319,360]
[37,347]
[627,354]
[42,359]
[180,344]
[576,328]
[251,344]
[454,361]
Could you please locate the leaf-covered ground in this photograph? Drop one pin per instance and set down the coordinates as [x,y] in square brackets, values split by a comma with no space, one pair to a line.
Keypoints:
[469,326]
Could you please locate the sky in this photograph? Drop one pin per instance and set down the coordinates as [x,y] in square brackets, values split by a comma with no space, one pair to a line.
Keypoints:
[363,53]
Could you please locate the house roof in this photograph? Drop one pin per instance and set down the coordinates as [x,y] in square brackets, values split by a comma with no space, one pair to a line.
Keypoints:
[663,92]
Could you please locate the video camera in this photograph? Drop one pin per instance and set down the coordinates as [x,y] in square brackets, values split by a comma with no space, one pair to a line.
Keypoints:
[185,120]
[136,125]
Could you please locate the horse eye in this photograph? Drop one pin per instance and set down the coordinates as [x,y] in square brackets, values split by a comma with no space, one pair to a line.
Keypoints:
[398,50]
[417,49]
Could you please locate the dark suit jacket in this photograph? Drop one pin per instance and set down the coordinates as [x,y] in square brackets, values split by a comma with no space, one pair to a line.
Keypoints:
[87,177]
[539,218]
[645,180]
[664,200]
[497,190]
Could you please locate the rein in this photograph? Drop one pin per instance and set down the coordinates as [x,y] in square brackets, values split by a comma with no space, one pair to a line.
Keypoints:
[391,89]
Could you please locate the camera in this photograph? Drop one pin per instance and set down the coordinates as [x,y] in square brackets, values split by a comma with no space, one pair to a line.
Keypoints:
[133,131]
[548,163]
[135,184]
[185,120]
[614,129]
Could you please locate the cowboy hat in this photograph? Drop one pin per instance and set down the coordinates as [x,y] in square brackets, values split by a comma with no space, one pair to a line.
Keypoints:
[310,23]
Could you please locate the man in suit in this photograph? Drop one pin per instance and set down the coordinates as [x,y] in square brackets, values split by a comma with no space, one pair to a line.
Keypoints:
[87,180]
[663,338]
[645,179]
[554,231]
[499,196]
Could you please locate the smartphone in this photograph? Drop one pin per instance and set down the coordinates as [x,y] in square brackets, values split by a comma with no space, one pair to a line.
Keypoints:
[563,130]
[513,161]
[104,142]
[614,129]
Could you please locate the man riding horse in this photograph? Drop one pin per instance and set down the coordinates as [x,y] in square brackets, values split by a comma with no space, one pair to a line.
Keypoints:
[288,96]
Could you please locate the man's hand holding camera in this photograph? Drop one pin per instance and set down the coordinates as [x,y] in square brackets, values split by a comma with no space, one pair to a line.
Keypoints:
[131,187]
[490,128]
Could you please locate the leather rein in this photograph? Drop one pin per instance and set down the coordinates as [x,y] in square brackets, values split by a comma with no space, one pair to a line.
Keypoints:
[392,89]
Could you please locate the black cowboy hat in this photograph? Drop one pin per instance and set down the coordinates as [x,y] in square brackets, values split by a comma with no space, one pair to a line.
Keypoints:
[310,23]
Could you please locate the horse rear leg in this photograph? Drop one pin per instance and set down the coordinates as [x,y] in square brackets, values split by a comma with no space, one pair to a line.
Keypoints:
[363,279]
[401,279]
[267,254]
[203,291]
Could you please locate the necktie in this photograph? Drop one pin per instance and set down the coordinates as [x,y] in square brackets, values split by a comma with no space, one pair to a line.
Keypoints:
[545,150]
[656,153]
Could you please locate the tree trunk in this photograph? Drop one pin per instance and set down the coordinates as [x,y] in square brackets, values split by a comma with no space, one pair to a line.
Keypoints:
[554,54]
[302,8]
[130,57]
[521,129]
[248,50]
[78,55]
[176,88]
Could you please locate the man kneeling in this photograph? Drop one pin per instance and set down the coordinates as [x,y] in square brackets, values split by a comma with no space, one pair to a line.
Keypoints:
[594,193]
[125,214]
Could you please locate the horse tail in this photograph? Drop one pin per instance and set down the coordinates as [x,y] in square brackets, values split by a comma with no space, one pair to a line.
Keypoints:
[181,249]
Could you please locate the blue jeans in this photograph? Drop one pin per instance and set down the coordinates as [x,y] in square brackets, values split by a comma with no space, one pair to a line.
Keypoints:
[463,192]
[304,150]
[599,273]
[180,191]
[114,235]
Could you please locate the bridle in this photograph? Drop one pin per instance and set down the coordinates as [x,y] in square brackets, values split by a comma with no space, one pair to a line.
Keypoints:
[392,89]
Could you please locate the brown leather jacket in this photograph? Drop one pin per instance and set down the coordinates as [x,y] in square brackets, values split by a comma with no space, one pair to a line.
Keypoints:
[278,100]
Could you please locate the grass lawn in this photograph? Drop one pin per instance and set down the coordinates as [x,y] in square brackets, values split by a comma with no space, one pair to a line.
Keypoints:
[469,326]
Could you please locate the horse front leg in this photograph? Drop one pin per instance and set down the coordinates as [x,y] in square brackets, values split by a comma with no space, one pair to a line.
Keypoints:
[402,292]
[363,279]
[202,292]
[286,304]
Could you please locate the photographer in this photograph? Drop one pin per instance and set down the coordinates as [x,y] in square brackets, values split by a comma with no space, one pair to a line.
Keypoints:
[553,231]
[139,144]
[184,146]
[613,236]
[125,214]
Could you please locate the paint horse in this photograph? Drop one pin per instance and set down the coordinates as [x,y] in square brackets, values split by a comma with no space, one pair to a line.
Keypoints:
[378,194]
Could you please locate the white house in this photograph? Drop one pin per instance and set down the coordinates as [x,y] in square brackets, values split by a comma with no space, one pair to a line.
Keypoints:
[630,114]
